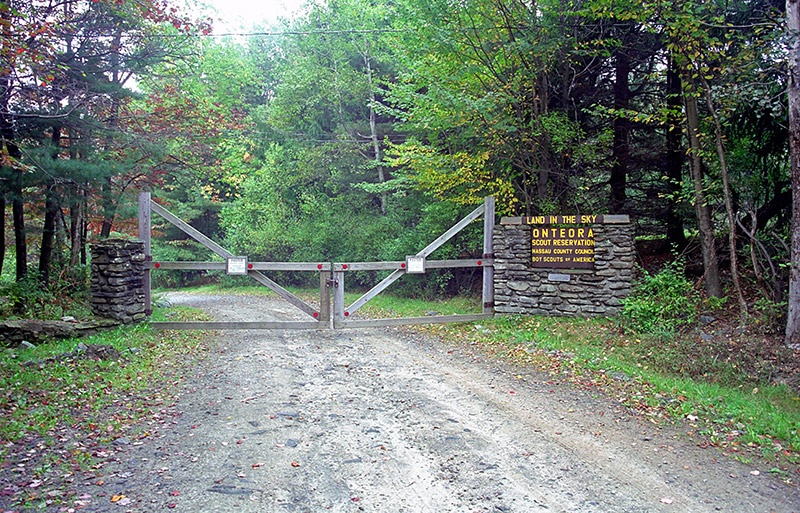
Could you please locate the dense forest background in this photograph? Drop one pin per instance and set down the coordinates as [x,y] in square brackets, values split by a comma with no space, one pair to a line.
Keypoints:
[362,129]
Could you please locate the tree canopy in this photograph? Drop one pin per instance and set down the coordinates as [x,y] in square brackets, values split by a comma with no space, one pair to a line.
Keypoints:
[361,128]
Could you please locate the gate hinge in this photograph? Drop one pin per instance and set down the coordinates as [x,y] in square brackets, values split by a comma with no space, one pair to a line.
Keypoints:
[488,304]
[148,258]
[488,255]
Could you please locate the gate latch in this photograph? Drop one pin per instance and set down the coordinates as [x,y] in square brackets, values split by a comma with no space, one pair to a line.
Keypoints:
[332,283]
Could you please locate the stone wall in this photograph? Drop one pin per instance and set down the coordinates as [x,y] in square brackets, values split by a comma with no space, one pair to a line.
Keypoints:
[32,331]
[522,289]
[118,270]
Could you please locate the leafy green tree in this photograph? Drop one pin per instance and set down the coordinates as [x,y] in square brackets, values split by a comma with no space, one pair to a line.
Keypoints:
[487,106]
[64,68]
[197,112]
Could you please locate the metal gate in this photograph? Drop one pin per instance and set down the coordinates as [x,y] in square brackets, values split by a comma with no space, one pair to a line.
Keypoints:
[331,276]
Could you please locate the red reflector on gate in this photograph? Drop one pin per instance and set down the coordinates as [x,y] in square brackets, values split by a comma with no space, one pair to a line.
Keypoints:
[479,262]
[344,266]
[319,266]
[249,266]
[316,314]
[156,265]
[346,314]
[403,266]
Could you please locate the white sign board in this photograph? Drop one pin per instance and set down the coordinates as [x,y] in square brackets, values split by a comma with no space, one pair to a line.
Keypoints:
[415,265]
[237,265]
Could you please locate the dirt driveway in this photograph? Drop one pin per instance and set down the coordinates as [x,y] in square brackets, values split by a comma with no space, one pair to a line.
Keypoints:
[378,421]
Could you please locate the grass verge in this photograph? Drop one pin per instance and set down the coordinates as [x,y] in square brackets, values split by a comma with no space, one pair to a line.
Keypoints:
[58,411]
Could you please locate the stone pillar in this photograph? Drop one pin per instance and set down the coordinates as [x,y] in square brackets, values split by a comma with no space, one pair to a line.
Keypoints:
[117,286]
[520,288]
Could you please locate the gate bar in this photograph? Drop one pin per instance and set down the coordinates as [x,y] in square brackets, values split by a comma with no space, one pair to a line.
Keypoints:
[258,266]
[402,321]
[429,264]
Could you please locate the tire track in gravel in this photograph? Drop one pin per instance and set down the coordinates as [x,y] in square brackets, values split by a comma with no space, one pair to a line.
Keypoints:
[380,421]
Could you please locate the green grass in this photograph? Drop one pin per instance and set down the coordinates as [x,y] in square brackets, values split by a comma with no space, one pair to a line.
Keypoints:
[37,398]
[55,414]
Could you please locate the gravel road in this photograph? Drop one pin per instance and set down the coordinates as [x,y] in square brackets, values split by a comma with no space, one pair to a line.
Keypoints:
[380,421]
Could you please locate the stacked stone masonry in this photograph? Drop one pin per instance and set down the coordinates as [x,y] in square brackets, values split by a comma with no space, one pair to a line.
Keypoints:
[520,288]
[118,270]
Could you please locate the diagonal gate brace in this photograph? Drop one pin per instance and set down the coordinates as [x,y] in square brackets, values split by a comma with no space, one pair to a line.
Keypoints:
[224,253]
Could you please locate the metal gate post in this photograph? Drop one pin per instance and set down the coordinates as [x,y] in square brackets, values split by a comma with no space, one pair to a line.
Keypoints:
[488,252]
[325,296]
[338,299]
[144,236]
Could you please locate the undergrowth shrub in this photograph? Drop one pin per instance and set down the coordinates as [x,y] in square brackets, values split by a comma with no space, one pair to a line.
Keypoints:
[66,294]
[24,295]
[661,302]
[770,315]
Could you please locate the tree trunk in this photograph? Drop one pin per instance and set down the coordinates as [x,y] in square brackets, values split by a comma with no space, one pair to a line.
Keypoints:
[710,265]
[793,93]
[109,209]
[112,125]
[20,242]
[75,225]
[17,207]
[621,153]
[676,237]
[84,228]
[50,213]
[48,234]
[726,190]
[15,183]
[2,230]
[373,129]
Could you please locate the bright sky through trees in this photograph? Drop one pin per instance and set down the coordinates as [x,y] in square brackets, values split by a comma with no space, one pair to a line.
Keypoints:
[243,15]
